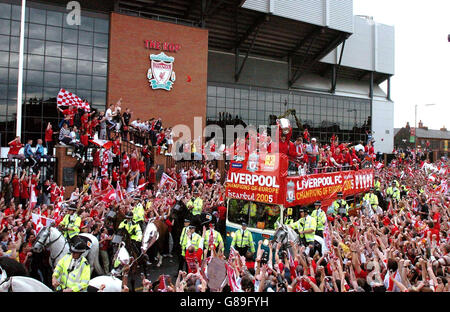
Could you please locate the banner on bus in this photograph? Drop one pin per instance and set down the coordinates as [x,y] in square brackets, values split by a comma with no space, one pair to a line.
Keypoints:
[257,178]
[304,190]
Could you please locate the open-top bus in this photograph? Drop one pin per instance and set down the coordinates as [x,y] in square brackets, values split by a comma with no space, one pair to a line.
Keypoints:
[261,191]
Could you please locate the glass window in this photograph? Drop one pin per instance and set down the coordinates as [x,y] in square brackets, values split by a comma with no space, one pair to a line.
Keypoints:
[252,104]
[252,114]
[84,67]
[87,23]
[36,46]
[34,77]
[15,28]
[14,44]
[16,11]
[85,37]
[101,40]
[98,98]
[53,48]
[221,102]
[5,27]
[37,16]
[269,106]
[84,94]
[36,31]
[84,82]
[13,74]
[53,33]
[68,80]
[99,83]
[33,92]
[70,35]
[244,104]
[229,103]
[211,112]
[101,25]
[3,89]
[253,95]
[69,50]
[211,91]
[221,91]
[244,94]
[100,69]
[85,53]
[50,93]
[69,66]
[35,62]
[100,55]
[54,18]
[3,79]
[211,101]
[5,10]
[52,63]
[12,92]
[4,58]
[52,79]
[229,93]
[4,43]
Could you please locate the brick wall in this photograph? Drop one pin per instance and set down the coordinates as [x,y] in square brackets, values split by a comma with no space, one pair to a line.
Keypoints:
[129,61]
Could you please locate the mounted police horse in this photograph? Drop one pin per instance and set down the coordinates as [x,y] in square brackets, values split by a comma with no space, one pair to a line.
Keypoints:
[20,283]
[285,233]
[51,238]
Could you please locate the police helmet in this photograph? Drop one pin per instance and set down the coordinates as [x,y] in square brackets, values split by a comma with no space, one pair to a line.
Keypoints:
[78,245]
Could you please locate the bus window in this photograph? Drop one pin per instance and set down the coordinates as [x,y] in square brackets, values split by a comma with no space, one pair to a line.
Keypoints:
[256,215]
[234,210]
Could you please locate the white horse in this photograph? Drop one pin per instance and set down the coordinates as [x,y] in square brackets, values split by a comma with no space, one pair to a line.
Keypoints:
[285,233]
[52,239]
[21,284]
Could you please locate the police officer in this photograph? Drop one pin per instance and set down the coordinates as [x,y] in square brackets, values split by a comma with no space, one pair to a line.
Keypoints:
[212,237]
[245,211]
[191,238]
[289,217]
[243,240]
[396,193]
[390,190]
[195,205]
[71,223]
[404,191]
[340,206]
[181,259]
[72,272]
[372,198]
[134,231]
[309,228]
[139,214]
[320,217]
[377,184]
[299,226]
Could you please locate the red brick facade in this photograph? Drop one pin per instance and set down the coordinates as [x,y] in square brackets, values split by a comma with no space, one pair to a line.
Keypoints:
[129,61]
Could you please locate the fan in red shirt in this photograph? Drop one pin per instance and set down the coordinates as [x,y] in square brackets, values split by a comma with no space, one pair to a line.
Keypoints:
[69,114]
[152,177]
[16,188]
[14,148]
[49,139]
[193,258]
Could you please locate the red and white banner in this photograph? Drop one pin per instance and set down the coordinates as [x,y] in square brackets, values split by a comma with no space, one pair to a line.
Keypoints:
[102,143]
[66,98]
[40,221]
[165,178]
[109,196]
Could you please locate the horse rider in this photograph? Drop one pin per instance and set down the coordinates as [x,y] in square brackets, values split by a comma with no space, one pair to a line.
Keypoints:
[372,199]
[181,260]
[340,206]
[392,191]
[139,214]
[404,191]
[212,238]
[245,211]
[195,205]
[191,238]
[134,231]
[70,225]
[73,272]
[320,217]
[273,214]
[243,240]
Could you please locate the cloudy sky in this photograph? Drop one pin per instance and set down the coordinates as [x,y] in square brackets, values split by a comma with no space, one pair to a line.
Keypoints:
[422,57]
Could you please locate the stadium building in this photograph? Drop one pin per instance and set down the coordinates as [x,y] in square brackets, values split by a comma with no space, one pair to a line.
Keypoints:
[226,61]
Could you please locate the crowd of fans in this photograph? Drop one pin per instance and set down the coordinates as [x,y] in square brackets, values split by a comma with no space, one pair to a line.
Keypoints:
[402,246]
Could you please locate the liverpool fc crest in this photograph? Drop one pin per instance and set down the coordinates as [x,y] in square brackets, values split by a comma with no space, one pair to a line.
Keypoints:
[161,74]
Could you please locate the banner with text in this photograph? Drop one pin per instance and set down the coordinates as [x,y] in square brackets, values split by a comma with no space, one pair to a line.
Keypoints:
[304,190]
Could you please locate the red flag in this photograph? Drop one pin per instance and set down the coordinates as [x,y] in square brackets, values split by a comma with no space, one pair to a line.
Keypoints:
[66,98]
[110,196]
[189,78]
[119,193]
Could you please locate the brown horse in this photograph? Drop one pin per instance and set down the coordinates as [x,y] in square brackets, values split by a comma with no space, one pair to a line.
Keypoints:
[156,240]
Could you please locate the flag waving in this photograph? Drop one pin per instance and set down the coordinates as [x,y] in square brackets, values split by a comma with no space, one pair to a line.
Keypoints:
[66,98]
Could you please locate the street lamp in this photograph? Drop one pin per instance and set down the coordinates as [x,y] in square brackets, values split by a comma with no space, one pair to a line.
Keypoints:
[415,122]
